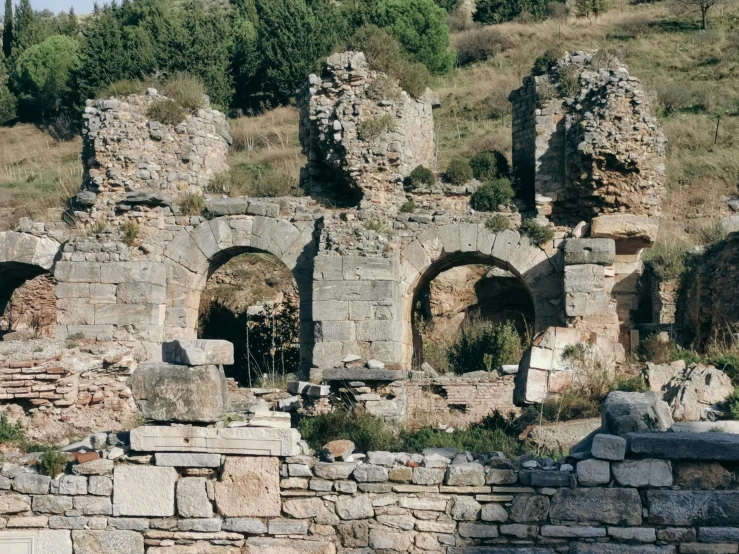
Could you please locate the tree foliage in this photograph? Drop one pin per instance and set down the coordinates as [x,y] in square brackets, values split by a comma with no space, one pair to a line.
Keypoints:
[498,11]
[7,99]
[42,73]
[420,27]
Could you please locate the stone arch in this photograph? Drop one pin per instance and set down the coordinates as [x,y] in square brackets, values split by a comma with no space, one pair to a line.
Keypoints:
[443,247]
[194,254]
[23,257]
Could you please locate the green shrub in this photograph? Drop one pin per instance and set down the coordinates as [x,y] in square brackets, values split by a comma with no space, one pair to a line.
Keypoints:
[478,45]
[192,204]
[537,233]
[420,176]
[484,346]
[459,172]
[653,349]
[489,165]
[373,127]
[547,60]
[492,194]
[498,11]
[52,462]
[167,112]
[667,261]
[421,28]
[187,90]
[409,206]
[570,405]
[674,97]
[569,80]
[475,439]
[635,383]
[383,88]
[731,404]
[728,363]
[124,87]
[545,91]
[10,432]
[258,180]
[129,232]
[366,431]
[497,223]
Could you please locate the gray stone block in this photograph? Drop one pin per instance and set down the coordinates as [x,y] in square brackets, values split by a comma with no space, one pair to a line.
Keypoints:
[590,251]
[465,474]
[226,206]
[609,447]
[192,498]
[365,268]
[613,506]
[629,412]
[165,392]
[706,508]
[144,491]
[182,459]
[364,375]
[335,331]
[354,290]
[198,352]
[601,548]
[38,541]
[643,473]
[685,446]
[108,542]
[31,483]
[584,279]
[499,550]
[244,525]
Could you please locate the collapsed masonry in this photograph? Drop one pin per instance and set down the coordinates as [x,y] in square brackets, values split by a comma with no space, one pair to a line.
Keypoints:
[131,270]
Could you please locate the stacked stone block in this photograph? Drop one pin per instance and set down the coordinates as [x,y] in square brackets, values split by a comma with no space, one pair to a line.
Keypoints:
[629,497]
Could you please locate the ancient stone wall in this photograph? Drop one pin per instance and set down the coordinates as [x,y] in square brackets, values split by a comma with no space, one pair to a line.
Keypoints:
[159,502]
[31,308]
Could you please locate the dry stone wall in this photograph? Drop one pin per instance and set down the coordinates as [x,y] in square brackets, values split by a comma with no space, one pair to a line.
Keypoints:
[631,496]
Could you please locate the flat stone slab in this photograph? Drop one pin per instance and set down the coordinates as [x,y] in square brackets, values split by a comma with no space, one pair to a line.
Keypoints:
[144,491]
[364,375]
[709,508]
[198,352]
[19,541]
[685,446]
[245,441]
[498,550]
[706,427]
[183,459]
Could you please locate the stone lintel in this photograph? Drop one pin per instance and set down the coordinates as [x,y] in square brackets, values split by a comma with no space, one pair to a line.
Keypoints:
[245,441]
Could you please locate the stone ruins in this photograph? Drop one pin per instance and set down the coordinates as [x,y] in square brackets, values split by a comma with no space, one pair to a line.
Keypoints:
[129,263]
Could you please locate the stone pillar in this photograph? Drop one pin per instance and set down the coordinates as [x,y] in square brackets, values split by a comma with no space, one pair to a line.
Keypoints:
[356,309]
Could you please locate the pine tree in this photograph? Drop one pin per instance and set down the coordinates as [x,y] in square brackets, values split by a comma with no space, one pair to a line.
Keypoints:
[8,28]
[26,30]
[7,100]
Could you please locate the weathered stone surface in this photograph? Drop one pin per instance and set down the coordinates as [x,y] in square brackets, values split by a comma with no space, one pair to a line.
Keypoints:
[632,534]
[264,545]
[593,472]
[182,459]
[192,498]
[73,484]
[500,550]
[382,539]
[609,447]
[244,525]
[501,477]
[529,508]
[335,470]
[478,531]
[50,504]
[572,531]
[107,542]
[718,534]
[659,375]
[465,508]
[711,508]
[338,450]
[287,527]
[197,548]
[629,412]
[31,483]
[198,352]
[600,548]
[638,231]
[95,467]
[427,476]
[370,474]
[685,446]
[93,505]
[100,485]
[363,375]
[493,512]
[590,251]
[643,473]
[613,506]
[249,487]
[702,390]
[36,541]
[702,475]
[165,392]
[423,503]
[356,507]
[245,441]
[144,491]
[536,478]
[465,474]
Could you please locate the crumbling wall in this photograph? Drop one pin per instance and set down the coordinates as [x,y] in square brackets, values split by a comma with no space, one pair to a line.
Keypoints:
[31,308]
[586,134]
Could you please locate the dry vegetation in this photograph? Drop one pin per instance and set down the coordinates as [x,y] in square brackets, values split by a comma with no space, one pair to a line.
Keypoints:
[36,173]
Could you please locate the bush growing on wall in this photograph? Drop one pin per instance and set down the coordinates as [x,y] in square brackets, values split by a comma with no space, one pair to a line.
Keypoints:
[492,194]
[484,346]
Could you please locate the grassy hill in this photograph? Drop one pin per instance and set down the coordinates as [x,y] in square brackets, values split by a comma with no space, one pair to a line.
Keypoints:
[693,76]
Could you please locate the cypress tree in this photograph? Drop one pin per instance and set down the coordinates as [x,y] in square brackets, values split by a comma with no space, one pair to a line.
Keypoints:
[8,28]
[26,30]
[7,100]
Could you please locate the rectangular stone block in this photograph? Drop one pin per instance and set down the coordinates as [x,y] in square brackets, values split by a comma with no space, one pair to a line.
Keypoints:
[586,278]
[330,310]
[613,506]
[335,331]
[600,548]
[198,352]
[368,269]
[144,491]
[708,508]
[354,290]
[133,272]
[685,446]
[35,542]
[249,487]
[129,314]
[77,272]
[108,542]
[372,330]
[182,459]
[590,251]
[328,268]
[244,441]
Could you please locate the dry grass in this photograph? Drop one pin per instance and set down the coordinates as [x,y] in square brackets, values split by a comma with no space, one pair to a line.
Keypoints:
[36,173]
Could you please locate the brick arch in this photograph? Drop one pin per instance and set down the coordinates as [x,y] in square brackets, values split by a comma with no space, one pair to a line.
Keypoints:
[23,257]
[440,248]
[193,255]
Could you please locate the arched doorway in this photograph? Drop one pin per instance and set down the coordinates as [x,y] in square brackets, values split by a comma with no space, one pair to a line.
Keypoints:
[27,297]
[439,249]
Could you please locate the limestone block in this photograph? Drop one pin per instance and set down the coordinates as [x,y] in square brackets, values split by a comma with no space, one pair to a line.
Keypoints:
[589,251]
[165,392]
[609,447]
[226,206]
[601,548]
[465,508]
[705,508]
[478,531]
[485,241]
[586,278]
[627,412]
[643,473]
[181,459]
[198,352]
[287,527]
[249,487]
[702,475]
[192,498]
[144,491]
[584,304]
[632,534]
[266,545]
[244,525]
[31,483]
[468,237]
[77,272]
[465,474]
[100,485]
[365,268]
[631,232]
[593,472]
[36,541]
[132,293]
[613,506]
[205,240]
[336,470]
[222,232]
[108,542]
[415,254]
[427,476]
[51,504]
[659,375]
[572,532]
[493,512]
[133,272]
[331,310]
[335,331]
[328,268]
[183,250]
[450,239]
[369,473]
[529,508]
[383,539]
[359,507]
[354,290]
[73,484]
